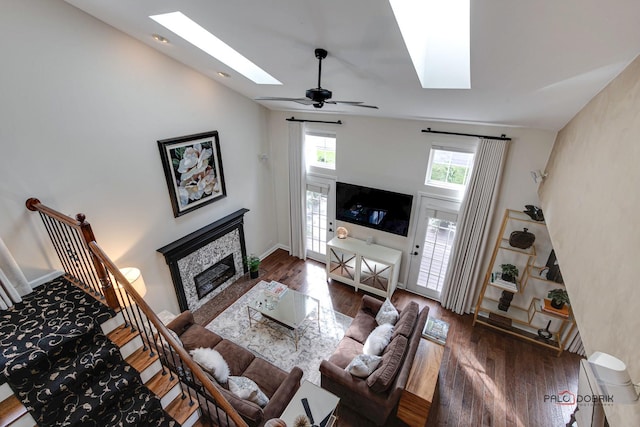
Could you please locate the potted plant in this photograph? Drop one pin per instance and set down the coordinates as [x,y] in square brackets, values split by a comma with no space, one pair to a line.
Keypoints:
[559,298]
[253,262]
[509,272]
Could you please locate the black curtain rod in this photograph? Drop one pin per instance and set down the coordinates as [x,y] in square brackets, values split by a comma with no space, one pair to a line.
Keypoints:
[293,119]
[502,137]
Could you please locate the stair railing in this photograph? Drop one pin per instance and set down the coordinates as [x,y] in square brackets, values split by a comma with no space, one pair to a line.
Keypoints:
[174,358]
[88,266]
[70,238]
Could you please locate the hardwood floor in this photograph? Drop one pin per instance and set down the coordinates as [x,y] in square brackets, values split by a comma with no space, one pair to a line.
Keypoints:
[486,378]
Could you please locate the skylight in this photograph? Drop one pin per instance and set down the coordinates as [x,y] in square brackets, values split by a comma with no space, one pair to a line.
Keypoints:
[189,30]
[437,36]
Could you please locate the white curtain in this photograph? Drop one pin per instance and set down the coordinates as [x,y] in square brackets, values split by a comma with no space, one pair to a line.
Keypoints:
[463,274]
[297,189]
[13,284]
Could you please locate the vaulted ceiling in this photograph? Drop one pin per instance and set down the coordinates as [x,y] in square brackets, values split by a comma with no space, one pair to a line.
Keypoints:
[534,63]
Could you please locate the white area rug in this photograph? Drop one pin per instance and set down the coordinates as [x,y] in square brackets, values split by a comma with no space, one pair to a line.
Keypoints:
[274,343]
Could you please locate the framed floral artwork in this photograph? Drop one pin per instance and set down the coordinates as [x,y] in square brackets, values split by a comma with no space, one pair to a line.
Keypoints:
[193,169]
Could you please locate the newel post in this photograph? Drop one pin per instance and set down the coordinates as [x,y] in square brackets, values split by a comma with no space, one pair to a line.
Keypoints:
[105,283]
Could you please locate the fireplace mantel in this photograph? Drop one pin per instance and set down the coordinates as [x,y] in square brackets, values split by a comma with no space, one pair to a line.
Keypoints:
[182,248]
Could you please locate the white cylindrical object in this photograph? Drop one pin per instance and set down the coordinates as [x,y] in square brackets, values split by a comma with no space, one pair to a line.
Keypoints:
[609,369]
[613,377]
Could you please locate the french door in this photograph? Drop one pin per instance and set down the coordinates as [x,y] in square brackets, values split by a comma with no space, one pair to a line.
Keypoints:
[432,246]
[320,211]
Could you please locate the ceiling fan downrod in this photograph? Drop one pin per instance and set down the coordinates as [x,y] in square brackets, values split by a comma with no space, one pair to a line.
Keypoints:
[319,95]
[320,54]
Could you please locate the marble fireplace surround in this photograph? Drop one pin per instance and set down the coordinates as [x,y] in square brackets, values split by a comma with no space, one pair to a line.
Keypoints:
[196,252]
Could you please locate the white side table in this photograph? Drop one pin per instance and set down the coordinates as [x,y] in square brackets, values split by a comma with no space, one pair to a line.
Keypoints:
[321,403]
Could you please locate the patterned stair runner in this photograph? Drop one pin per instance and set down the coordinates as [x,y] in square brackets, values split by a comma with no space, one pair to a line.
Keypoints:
[65,370]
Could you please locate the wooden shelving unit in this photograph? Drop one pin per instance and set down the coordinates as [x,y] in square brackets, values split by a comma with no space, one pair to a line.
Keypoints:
[524,316]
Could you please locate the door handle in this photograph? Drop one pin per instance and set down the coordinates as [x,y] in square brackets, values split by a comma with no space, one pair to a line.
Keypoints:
[415,253]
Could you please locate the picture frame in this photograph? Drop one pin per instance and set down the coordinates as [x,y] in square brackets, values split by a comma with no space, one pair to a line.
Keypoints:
[193,169]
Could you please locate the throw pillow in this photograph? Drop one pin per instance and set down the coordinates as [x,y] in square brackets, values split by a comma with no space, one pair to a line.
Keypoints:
[211,361]
[363,365]
[378,339]
[247,389]
[387,313]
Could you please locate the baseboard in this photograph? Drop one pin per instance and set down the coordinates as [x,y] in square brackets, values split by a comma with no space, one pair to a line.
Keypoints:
[46,278]
[273,249]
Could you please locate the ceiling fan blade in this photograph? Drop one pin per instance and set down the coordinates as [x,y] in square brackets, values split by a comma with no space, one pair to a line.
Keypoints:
[366,106]
[305,101]
[352,103]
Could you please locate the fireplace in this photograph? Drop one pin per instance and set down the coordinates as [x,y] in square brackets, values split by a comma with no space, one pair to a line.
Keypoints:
[207,261]
[214,276]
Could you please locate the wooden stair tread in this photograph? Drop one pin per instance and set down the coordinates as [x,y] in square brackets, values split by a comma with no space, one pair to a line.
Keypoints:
[122,335]
[162,384]
[180,409]
[11,409]
[202,422]
[140,359]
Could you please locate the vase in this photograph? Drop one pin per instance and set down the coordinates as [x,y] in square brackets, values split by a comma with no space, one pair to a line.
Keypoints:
[557,305]
[254,274]
[505,301]
[522,239]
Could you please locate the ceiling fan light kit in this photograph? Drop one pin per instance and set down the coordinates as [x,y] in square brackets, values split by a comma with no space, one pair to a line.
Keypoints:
[317,96]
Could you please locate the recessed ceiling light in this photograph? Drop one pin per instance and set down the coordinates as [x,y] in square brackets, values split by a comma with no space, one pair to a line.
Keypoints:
[223,74]
[160,39]
[437,36]
[189,30]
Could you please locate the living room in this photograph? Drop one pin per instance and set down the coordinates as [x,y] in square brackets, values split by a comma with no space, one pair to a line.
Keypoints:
[86,104]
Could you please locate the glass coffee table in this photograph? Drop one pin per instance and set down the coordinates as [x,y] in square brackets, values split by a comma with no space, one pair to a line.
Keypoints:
[291,311]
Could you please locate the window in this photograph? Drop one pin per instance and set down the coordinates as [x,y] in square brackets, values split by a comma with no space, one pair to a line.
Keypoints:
[320,150]
[449,168]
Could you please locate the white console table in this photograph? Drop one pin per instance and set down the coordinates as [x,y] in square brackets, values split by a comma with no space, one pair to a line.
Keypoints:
[369,267]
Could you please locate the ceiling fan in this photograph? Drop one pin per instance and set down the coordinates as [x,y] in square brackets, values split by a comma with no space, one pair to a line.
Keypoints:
[317,96]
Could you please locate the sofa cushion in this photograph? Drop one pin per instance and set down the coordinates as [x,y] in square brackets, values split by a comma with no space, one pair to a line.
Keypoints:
[198,336]
[382,378]
[387,313]
[345,352]
[267,376]
[245,388]
[363,365]
[378,340]
[406,321]
[361,326]
[238,358]
[211,361]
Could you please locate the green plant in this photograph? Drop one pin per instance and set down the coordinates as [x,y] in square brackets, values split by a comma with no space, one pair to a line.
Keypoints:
[559,296]
[253,262]
[509,271]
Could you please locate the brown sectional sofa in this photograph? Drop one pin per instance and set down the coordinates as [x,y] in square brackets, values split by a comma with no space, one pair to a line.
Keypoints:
[278,385]
[377,396]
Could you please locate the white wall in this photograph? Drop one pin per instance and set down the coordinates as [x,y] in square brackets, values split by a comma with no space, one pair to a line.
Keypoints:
[591,203]
[392,154]
[81,108]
